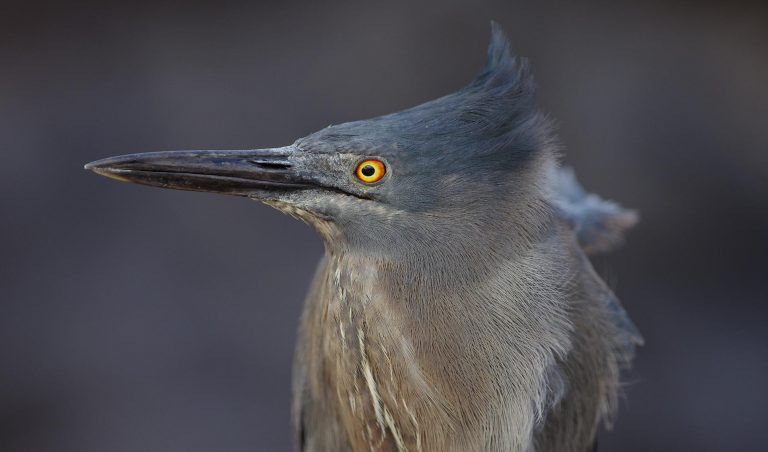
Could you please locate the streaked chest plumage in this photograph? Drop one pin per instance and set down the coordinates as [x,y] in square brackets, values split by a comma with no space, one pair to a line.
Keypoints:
[361,357]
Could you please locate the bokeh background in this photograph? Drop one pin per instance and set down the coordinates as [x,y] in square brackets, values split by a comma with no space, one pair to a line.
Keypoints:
[136,319]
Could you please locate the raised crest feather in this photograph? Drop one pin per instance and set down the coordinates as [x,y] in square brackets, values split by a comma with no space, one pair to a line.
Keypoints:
[499,51]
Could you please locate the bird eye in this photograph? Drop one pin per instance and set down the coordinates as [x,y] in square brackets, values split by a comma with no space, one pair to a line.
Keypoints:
[370,171]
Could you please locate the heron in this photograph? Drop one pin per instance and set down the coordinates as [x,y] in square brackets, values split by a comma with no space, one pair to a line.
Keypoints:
[455,307]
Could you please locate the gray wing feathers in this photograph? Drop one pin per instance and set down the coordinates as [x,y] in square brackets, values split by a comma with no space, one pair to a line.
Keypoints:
[599,224]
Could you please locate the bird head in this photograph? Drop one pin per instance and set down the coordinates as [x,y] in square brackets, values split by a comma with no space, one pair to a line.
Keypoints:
[448,174]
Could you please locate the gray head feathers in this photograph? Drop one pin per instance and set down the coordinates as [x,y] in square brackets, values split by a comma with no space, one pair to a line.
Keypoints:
[492,123]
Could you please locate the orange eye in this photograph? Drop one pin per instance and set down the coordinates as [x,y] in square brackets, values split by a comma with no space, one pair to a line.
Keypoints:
[370,171]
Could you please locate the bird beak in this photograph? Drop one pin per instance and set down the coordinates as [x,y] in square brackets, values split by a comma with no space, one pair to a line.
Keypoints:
[241,173]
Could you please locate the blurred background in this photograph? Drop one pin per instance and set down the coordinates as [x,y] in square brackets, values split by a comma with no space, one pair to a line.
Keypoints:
[136,319]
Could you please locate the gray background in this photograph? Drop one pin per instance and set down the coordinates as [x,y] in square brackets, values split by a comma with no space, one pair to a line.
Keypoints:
[135,319]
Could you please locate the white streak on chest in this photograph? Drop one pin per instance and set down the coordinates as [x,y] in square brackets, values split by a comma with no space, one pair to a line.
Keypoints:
[350,312]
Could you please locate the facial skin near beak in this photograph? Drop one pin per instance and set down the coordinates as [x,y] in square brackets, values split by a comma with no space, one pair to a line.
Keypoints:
[241,173]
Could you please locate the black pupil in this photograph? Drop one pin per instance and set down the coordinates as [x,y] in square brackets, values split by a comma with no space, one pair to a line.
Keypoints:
[368,170]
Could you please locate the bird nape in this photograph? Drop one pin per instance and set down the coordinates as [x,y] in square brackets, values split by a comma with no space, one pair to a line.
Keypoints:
[454,309]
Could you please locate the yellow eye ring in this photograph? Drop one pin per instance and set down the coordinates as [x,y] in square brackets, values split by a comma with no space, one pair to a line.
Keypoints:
[370,171]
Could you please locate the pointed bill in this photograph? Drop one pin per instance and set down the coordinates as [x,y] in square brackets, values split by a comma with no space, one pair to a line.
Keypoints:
[228,172]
